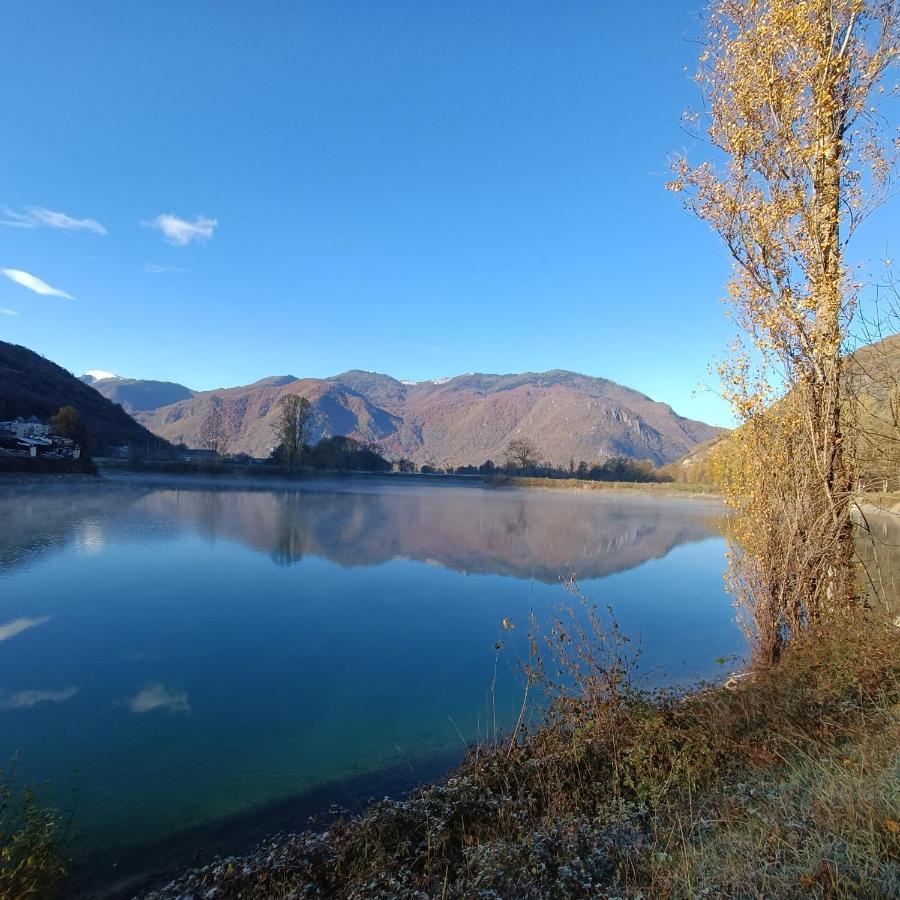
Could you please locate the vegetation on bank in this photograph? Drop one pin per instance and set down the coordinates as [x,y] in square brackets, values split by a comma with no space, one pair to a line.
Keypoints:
[229,469]
[653,488]
[614,469]
[340,454]
[32,839]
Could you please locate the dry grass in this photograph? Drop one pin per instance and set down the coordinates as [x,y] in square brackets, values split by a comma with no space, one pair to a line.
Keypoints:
[821,824]
[654,488]
[32,833]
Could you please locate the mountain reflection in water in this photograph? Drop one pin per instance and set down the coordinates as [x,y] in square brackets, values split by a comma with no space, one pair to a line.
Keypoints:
[541,535]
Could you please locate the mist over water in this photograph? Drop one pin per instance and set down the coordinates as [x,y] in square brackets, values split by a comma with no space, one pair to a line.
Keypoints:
[188,652]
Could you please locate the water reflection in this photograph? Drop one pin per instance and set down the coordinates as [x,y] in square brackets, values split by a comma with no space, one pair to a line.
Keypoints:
[157,696]
[198,652]
[539,535]
[41,520]
[17,626]
[878,549]
[27,699]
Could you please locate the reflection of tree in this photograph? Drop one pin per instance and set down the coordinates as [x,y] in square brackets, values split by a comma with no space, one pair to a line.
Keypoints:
[210,509]
[516,523]
[291,535]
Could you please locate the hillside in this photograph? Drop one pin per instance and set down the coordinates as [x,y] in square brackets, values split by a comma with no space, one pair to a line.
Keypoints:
[32,385]
[872,399]
[873,387]
[454,421]
[135,394]
[695,466]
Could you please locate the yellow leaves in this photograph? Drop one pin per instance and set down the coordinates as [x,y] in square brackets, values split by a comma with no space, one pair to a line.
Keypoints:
[891,825]
[771,81]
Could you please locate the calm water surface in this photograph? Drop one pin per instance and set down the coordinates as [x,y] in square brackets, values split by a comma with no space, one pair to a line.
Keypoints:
[185,653]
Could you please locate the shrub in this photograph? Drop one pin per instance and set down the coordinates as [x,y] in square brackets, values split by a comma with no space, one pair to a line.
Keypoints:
[31,834]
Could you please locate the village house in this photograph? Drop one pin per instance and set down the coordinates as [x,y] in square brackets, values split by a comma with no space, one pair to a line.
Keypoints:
[26,427]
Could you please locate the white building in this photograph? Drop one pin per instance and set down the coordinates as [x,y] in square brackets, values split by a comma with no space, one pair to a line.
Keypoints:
[32,427]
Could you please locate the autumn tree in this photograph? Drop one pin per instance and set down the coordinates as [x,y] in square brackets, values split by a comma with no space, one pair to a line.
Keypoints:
[213,433]
[293,426]
[800,158]
[522,452]
[67,423]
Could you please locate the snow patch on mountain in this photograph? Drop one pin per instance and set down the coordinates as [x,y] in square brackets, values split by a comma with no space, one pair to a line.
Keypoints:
[98,375]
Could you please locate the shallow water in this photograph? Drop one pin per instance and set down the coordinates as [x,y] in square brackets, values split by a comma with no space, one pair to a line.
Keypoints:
[184,653]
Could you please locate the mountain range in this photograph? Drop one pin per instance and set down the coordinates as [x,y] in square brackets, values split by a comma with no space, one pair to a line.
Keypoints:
[450,421]
[136,394]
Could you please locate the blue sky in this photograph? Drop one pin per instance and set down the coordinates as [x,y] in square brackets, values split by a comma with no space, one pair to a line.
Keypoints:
[416,188]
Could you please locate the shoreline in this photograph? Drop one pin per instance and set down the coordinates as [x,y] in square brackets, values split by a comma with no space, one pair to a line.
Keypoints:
[135,870]
[30,478]
[666,489]
[544,816]
[265,477]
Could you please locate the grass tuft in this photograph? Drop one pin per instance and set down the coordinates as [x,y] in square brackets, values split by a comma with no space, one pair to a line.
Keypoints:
[31,835]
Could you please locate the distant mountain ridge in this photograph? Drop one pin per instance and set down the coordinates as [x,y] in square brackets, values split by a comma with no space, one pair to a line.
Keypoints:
[136,394]
[449,421]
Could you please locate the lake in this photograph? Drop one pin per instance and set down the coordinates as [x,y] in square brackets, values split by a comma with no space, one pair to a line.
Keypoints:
[189,655]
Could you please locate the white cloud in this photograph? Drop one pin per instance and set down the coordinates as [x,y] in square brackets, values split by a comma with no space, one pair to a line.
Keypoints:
[180,231]
[154,269]
[33,283]
[13,222]
[8,312]
[38,216]
[27,699]
[17,626]
[158,696]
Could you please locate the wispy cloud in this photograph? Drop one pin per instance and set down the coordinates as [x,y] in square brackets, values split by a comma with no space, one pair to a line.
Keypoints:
[17,626]
[40,217]
[33,283]
[180,231]
[157,696]
[8,312]
[154,269]
[27,699]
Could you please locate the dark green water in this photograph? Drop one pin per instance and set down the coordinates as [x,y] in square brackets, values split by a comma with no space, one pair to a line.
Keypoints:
[194,652]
